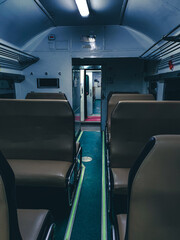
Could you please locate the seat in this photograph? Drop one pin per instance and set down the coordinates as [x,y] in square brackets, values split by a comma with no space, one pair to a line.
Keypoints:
[21,224]
[39,95]
[38,139]
[120,176]
[116,97]
[77,146]
[45,96]
[35,173]
[154,192]
[121,222]
[133,123]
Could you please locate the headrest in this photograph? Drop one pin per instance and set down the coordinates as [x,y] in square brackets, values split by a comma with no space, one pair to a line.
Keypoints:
[38,95]
[37,129]
[116,97]
[134,122]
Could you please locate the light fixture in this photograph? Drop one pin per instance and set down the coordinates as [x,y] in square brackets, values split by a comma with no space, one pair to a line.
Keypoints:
[82,7]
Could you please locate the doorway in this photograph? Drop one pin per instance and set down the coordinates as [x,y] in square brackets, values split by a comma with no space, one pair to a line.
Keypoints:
[90,93]
[93,95]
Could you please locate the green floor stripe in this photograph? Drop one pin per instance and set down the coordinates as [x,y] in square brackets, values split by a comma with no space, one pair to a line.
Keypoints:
[80,135]
[74,207]
[103,207]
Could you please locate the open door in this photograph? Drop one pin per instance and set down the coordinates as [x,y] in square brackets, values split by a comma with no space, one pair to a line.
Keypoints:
[82,94]
[89,92]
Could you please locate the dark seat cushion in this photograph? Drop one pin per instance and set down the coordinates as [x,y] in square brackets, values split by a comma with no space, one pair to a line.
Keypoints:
[37,129]
[40,173]
[121,220]
[34,224]
[116,97]
[77,146]
[120,176]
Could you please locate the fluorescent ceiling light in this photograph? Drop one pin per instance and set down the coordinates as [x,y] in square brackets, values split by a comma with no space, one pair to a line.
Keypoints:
[82,7]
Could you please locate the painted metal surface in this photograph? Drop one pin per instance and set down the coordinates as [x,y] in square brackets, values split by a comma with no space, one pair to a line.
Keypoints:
[21,20]
[153,18]
[102,12]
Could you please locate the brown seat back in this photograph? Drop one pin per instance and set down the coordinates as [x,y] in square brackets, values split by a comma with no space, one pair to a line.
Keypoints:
[134,122]
[8,213]
[116,97]
[36,129]
[38,95]
[154,191]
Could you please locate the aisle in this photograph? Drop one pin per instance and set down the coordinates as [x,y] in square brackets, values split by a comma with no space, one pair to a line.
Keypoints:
[87,223]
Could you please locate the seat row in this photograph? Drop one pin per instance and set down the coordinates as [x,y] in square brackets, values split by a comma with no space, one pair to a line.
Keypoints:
[134,119]
[20,224]
[38,140]
[153,193]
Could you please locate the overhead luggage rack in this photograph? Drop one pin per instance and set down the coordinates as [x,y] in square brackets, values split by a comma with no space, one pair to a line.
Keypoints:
[13,58]
[168,44]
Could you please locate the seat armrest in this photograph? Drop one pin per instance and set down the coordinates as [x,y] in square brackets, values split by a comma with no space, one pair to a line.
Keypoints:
[106,135]
[79,156]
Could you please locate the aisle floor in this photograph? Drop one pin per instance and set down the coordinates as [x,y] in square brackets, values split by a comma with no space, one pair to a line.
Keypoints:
[87,223]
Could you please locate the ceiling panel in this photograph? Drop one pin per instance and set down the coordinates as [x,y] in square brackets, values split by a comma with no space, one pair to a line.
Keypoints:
[151,17]
[21,20]
[102,12]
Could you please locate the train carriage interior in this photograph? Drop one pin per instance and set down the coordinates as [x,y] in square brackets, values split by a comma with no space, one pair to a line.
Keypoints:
[89,119]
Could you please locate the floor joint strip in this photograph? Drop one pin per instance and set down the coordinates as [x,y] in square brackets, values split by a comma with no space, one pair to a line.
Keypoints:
[74,206]
[80,135]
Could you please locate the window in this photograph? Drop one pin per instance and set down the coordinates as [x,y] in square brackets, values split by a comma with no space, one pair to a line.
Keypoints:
[48,82]
[7,89]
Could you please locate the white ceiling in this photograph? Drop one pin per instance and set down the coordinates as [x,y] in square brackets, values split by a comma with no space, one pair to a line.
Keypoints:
[154,18]
[102,12]
[22,20]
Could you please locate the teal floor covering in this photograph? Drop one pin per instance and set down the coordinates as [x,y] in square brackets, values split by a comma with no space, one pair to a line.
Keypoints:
[87,225]
[97,107]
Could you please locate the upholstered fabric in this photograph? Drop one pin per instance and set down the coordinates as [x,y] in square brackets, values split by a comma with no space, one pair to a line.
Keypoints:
[40,173]
[4,212]
[121,221]
[33,223]
[36,129]
[120,176]
[9,229]
[27,224]
[116,97]
[154,192]
[134,122]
